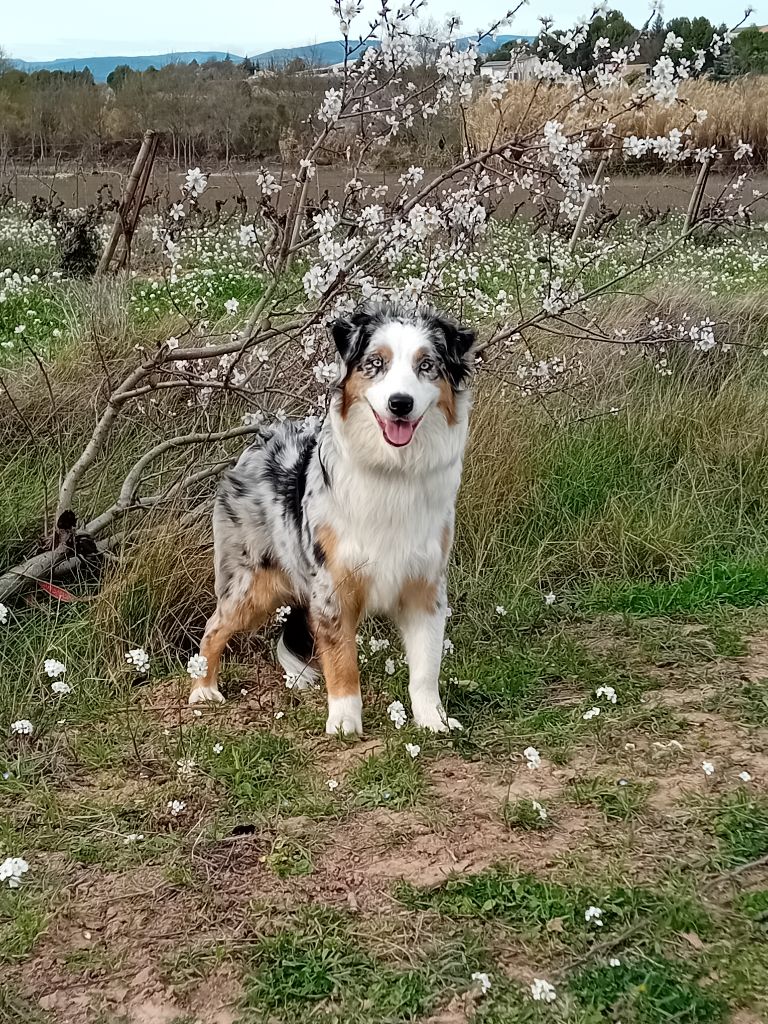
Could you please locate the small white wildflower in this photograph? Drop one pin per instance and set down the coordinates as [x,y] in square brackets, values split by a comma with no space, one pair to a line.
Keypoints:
[483,981]
[58,686]
[172,343]
[745,776]
[540,810]
[332,784]
[608,692]
[231,306]
[542,991]
[708,768]
[132,837]
[23,727]
[139,658]
[3,614]
[396,712]
[197,666]
[500,609]
[448,647]
[594,914]
[247,234]
[279,714]
[592,713]
[389,666]
[196,182]
[413,749]
[549,598]
[377,645]
[533,757]
[11,871]
[282,613]
[218,747]
[185,767]
[176,807]
[177,212]
[54,668]
[614,962]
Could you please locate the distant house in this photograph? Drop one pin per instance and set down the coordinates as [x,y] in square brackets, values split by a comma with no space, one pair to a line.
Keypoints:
[519,68]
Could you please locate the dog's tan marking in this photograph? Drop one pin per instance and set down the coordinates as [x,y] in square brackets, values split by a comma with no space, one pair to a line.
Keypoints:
[335,634]
[269,588]
[420,595]
[446,403]
[355,384]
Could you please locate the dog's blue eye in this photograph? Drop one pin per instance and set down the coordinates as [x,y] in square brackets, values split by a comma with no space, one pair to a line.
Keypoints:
[426,366]
[375,362]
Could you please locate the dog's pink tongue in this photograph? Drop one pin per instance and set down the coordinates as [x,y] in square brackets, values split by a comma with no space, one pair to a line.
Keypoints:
[398,432]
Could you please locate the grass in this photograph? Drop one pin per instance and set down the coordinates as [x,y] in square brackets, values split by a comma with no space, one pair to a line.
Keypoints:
[284,900]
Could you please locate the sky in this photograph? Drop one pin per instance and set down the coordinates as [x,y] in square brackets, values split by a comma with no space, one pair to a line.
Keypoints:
[47,29]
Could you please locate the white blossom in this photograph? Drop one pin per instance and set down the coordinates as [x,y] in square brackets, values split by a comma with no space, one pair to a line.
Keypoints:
[139,658]
[54,668]
[11,871]
[413,749]
[60,688]
[195,183]
[23,727]
[176,807]
[397,714]
[594,915]
[197,666]
[542,991]
[533,757]
[483,981]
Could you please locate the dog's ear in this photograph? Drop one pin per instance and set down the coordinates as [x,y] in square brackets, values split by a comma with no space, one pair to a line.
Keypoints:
[455,345]
[350,335]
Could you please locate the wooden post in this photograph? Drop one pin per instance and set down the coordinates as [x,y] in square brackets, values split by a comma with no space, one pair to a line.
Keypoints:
[126,202]
[132,217]
[696,196]
[583,211]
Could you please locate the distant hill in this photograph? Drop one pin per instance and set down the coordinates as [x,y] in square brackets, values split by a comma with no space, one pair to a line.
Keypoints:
[330,52]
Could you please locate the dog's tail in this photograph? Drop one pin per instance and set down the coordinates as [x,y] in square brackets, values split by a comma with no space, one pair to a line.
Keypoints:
[296,650]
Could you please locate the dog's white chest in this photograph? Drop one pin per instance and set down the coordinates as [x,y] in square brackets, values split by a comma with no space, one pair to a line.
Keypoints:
[393,530]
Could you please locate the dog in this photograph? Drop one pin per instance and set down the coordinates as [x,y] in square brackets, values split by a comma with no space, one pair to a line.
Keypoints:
[352,517]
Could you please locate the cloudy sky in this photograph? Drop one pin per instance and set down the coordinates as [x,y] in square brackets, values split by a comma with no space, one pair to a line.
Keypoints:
[46,29]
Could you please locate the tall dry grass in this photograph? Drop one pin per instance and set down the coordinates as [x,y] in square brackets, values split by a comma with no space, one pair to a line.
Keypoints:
[735,110]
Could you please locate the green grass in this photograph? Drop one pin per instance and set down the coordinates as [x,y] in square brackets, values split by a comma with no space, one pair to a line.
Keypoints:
[392,779]
[653,991]
[740,823]
[317,970]
[530,903]
[621,799]
[261,773]
[660,511]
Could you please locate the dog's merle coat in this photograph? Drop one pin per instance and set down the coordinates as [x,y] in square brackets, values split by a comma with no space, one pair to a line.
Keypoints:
[352,516]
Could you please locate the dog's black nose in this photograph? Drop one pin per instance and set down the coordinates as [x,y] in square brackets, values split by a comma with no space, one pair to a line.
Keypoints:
[400,405]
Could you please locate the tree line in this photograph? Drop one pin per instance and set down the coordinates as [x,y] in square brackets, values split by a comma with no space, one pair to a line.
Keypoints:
[747,53]
[222,111]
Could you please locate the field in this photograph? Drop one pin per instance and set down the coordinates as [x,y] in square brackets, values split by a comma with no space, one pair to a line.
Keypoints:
[600,824]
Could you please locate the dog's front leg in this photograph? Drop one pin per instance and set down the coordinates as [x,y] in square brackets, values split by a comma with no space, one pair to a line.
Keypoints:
[335,619]
[422,625]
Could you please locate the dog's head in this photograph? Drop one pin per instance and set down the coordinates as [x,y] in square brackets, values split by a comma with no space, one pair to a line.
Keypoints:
[404,373]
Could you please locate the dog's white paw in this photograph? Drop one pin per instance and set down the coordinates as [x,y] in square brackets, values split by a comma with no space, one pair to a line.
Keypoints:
[345,716]
[206,695]
[434,718]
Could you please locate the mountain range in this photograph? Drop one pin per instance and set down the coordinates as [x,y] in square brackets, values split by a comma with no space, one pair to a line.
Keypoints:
[330,52]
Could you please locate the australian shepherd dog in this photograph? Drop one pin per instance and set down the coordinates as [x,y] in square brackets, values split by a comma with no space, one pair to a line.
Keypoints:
[353,517]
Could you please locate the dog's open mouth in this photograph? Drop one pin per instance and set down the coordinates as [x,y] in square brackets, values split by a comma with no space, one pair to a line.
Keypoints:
[398,433]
